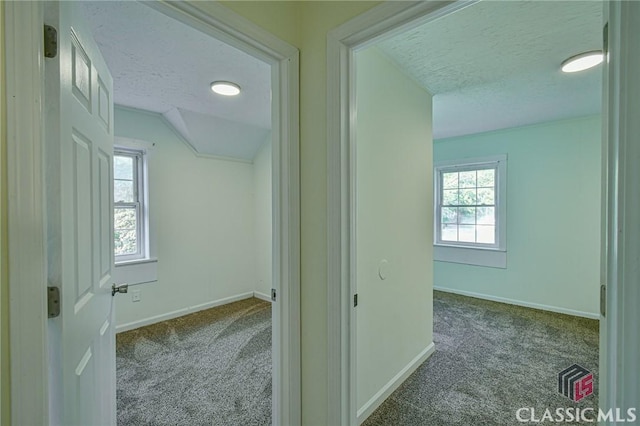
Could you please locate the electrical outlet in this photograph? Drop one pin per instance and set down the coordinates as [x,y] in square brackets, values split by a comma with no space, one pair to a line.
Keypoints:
[135,296]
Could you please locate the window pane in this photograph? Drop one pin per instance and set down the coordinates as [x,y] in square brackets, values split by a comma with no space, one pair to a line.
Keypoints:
[123,167]
[449,232]
[125,230]
[125,242]
[450,180]
[486,178]
[449,215]
[467,233]
[468,179]
[125,218]
[467,215]
[486,196]
[450,197]
[486,234]
[486,216]
[467,203]
[123,191]
[467,197]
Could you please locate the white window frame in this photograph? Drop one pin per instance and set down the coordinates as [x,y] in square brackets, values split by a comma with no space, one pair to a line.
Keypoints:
[140,204]
[492,255]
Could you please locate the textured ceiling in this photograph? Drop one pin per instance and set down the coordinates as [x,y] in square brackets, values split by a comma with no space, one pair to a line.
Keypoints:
[161,65]
[496,64]
[232,139]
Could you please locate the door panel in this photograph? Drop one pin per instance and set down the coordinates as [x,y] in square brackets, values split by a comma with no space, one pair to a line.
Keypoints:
[81,169]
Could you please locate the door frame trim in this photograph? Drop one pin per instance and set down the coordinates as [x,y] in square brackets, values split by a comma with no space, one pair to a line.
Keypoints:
[385,21]
[619,370]
[26,193]
[26,213]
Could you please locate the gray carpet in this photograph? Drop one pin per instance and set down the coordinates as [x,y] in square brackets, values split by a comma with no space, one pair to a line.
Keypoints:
[490,360]
[209,368]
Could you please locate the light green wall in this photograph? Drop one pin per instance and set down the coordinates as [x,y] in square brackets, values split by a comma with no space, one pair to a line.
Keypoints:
[281,18]
[553,215]
[394,215]
[4,282]
[207,239]
[305,25]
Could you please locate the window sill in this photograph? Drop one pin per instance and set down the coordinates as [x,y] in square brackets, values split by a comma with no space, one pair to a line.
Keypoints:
[137,261]
[489,257]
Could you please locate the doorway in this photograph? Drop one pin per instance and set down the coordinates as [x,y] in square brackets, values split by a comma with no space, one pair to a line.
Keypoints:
[492,143]
[219,22]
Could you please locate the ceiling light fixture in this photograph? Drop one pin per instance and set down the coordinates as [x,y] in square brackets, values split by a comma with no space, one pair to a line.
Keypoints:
[225,88]
[583,61]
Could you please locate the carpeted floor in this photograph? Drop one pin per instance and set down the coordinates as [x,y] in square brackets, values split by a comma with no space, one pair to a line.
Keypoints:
[214,367]
[491,359]
[209,368]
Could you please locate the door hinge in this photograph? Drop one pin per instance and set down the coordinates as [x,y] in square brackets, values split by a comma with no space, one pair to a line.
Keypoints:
[50,41]
[605,40]
[273,294]
[53,302]
[603,300]
[355,300]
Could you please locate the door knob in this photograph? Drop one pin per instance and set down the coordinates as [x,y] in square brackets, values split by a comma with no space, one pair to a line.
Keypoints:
[122,288]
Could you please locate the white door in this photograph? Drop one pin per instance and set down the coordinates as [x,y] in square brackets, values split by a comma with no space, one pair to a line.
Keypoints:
[79,138]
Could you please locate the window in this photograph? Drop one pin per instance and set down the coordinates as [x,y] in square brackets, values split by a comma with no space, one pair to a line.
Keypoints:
[470,209]
[129,208]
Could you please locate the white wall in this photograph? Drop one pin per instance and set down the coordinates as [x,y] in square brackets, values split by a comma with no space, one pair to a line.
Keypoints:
[394,222]
[202,225]
[553,216]
[263,217]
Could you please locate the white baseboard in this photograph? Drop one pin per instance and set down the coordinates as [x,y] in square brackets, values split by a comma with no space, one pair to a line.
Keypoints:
[181,312]
[520,303]
[262,296]
[370,406]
